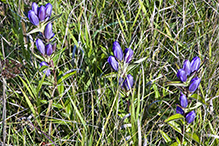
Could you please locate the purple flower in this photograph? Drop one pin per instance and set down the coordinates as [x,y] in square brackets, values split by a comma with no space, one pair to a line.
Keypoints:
[179,110]
[129,81]
[187,67]
[181,74]
[190,117]
[47,72]
[117,51]
[183,100]
[33,18]
[194,84]
[128,55]
[40,46]
[114,64]
[34,7]
[42,13]
[49,50]
[121,82]
[195,64]
[48,31]
[48,10]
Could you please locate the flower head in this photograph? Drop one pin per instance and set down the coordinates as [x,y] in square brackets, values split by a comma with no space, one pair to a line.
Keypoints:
[181,74]
[47,72]
[42,13]
[48,31]
[40,46]
[194,84]
[183,100]
[114,64]
[195,64]
[48,10]
[187,67]
[35,7]
[128,55]
[33,18]
[190,117]
[117,51]
[49,50]
[129,81]
[179,110]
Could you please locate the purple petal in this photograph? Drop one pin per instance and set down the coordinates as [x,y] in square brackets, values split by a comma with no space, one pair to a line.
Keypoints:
[183,100]
[48,31]
[114,64]
[181,74]
[48,9]
[194,84]
[129,81]
[117,51]
[187,67]
[128,55]
[179,110]
[40,46]
[49,50]
[195,64]
[190,117]
[42,13]
[33,18]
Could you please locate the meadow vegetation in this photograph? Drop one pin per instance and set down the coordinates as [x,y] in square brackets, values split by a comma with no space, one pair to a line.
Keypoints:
[82,101]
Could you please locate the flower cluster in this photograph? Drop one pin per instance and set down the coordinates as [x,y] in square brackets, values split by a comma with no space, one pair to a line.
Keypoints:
[120,61]
[44,46]
[39,14]
[187,70]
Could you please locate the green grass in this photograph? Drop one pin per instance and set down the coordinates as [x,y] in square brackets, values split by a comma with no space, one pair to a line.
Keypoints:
[87,106]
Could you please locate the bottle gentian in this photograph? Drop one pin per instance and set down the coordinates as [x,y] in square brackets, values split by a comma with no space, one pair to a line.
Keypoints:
[195,64]
[35,8]
[190,117]
[33,18]
[114,64]
[48,10]
[194,84]
[183,100]
[181,74]
[129,81]
[40,46]
[42,13]
[179,110]
[128,55]
[48,31]
[47,72]
[117,51]
[187,67]
[49,49]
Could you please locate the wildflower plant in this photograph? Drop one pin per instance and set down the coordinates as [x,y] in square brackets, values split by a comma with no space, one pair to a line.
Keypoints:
[189,82]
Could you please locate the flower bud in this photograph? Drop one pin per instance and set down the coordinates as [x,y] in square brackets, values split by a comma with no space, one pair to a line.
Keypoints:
[42,13]
[181,74]
[40,46]
[49,50]
[33,18]
[114,64]
[128,55]
[47,72]
[117,51]
[34,7]
[187,67]
[129,81]
[54,47]
[179,110]
[194,84]
[195,64]
[48,31]
[48,9]
[183,100]
[190,117]
[121,82]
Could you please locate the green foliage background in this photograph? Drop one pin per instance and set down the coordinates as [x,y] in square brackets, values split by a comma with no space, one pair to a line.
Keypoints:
[86,106]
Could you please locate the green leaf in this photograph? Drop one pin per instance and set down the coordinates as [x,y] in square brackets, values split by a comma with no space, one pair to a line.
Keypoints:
[40,84]
[64,77]
[193,136]
[165,136]
[174,117]
[175,126]
[176,83]
[175,144]
[140,60]
[110,75]
[196,96]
